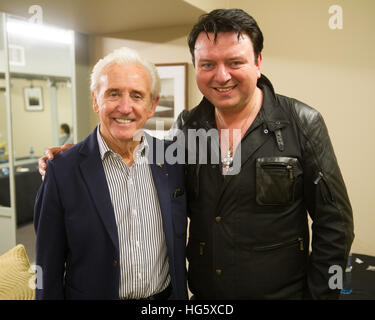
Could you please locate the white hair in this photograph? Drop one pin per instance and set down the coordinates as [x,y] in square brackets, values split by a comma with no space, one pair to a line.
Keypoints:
[125,55]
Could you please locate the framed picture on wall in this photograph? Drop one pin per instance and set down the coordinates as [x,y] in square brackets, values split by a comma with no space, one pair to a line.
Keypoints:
[33,99]
[173,98]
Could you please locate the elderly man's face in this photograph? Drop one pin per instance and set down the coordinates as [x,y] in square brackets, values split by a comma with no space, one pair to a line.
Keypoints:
[123,101]
[226,71]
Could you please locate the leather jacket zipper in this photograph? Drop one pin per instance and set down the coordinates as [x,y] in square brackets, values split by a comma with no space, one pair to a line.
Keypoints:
[201,248]
[280,166]
[274,246]
[323,178]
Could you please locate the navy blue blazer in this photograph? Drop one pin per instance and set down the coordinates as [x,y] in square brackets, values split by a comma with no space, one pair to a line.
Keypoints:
[77,244]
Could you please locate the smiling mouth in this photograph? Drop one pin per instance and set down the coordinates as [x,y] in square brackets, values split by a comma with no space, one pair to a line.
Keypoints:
[126,121]
[224,89]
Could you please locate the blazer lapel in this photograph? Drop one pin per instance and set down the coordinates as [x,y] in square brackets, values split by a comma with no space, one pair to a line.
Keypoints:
[160,177]
[94,176]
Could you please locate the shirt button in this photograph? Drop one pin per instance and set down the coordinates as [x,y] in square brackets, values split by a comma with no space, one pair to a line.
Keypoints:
[218,272]
[134,212]
[139,276]
[130,181]
[115,263]
[137,243]
[218,219]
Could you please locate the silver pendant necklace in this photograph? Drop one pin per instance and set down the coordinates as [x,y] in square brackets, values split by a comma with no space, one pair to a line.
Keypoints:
[227,162]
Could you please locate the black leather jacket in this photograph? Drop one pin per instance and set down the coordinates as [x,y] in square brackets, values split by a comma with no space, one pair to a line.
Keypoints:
[249,235]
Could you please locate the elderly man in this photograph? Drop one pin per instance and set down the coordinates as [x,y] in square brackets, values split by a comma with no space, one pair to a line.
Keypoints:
[109,224]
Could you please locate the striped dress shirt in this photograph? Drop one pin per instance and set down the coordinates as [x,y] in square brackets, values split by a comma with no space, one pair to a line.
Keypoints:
[144,267]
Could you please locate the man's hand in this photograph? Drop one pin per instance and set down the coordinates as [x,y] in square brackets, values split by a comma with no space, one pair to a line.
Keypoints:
[49,154]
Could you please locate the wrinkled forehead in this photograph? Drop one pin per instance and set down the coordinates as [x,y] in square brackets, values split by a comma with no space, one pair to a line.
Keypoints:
[120,75]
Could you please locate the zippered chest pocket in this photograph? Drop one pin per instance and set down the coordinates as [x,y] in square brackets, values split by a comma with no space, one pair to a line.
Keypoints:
[275,180]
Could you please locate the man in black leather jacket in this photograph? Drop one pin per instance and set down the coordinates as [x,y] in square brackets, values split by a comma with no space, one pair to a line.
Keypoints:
[249,235]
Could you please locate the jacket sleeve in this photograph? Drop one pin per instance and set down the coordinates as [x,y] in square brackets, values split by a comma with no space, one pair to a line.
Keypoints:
[328,205]
[51,243]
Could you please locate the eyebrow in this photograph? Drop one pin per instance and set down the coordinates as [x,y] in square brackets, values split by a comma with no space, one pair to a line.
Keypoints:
[237,58]
[205,60]
[140,92]
[230,59]
[109,90]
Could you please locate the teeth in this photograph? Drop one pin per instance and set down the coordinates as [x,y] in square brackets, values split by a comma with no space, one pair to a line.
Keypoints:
[224,89]
[123,120]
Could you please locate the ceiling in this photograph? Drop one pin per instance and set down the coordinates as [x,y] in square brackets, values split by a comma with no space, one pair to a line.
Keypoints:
[101,17]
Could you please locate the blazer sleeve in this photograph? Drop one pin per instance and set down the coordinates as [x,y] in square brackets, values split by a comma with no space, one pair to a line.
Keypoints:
[51,243]
[329,208]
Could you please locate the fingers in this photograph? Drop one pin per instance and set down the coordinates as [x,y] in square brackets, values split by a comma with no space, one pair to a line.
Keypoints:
[49,153]
[66,146]
[42,166]
[42,173]
[42,163]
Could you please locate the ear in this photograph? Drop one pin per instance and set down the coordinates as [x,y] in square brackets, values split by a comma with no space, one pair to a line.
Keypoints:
[95,105]
[153,107]
[258,63]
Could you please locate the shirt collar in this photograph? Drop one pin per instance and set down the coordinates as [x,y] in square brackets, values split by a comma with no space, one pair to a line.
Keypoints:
[141,150]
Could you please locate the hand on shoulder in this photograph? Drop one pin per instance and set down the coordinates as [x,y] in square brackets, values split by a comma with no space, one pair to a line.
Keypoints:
[49,155]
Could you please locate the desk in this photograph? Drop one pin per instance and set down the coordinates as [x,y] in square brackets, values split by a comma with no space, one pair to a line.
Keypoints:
[26,186]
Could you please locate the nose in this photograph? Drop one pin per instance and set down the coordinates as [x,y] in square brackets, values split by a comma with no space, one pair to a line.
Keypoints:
[124,104]
[222,75]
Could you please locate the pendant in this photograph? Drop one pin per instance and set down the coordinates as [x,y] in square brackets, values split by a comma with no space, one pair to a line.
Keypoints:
[227,162]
